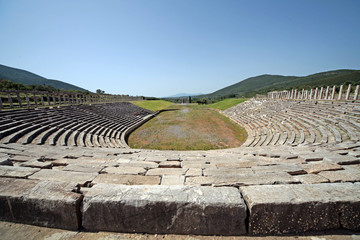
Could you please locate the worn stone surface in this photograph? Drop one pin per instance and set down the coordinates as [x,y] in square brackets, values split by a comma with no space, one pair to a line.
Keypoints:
[170,164]
[342,159]
[282,209]
[349,174]
[127,179]
[125,170]
[83,168]
[80,178]
[316,167]
[36,164]
[43,203]
[16,172]
[265,178]
[164,209]
[166,171]
[311,178]
[172,180]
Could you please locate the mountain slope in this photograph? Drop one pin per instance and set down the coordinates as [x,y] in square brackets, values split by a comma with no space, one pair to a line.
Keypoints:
[28,78]
[265,83]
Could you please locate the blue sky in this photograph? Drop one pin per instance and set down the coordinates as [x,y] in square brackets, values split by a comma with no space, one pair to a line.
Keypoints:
[163,47]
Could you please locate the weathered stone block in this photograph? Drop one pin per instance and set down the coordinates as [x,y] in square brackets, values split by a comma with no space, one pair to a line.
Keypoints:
[282,209]
[80,178]
[43,203]
[127,179]
[17,172]
[164,209]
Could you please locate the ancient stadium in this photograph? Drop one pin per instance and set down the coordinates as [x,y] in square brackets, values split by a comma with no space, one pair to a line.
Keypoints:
[66,164]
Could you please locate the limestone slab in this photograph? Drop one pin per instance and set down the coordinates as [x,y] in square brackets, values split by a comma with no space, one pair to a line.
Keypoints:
[17,172]
[292,169]
[125,170]
[164,209]
[36,164]
[80,178]
[21,158]
[311,157]
[172,180]
[166,171]
[317,167]
[346,175]
[283,209]
[170,164]
[266,178]
[127,179]
[192,172]
[87,168]
[311,178]
[43,203]
[342,159]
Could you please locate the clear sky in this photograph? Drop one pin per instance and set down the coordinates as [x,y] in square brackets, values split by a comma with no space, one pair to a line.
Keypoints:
[164,47]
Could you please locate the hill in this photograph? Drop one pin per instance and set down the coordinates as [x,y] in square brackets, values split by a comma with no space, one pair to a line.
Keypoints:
[265,83]
[28,78]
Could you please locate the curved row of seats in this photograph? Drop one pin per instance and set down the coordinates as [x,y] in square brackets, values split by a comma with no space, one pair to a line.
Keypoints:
[279,122]
[99,125]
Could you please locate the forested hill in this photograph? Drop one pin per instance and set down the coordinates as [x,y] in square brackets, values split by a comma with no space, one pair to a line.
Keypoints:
[265,83]
[28,78]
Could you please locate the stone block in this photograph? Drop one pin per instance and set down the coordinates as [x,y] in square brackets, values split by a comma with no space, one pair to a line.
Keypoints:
[170,164]
[172,180]
[265,178]
[317,167]
[342,159]
[349,174]
[164,209]
[42,203]
[292,169]
[311,157]
[80,178]
[83,168]
[166,171]
[311,179]
[17,172]
[125,170]
[127,179]
[192,172]
[285,209]
[36,164]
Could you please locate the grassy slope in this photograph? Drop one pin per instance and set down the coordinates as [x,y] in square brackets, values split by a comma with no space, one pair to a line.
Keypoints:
[153,105]
[227,103]
[28,78]
[188,128]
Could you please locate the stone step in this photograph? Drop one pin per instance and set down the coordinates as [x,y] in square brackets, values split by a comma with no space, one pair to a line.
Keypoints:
[292,209]
[164,209]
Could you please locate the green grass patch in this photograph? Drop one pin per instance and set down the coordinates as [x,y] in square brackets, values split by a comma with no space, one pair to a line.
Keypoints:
[227,103]
[188,128]
[153,105]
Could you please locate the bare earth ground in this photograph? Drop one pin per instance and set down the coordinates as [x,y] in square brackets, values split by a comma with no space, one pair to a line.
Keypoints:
[188,128]
[15,231]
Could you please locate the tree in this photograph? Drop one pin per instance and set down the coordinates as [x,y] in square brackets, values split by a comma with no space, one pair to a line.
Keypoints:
[99,91]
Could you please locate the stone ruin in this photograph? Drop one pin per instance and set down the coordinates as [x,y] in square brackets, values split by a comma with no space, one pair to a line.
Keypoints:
[298,171]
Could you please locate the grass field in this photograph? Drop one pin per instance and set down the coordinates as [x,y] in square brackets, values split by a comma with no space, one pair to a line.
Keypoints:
[227,103]
[153,105]
[188,128]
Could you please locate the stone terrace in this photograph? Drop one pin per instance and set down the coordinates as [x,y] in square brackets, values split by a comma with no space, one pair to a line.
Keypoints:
[101,125]
[284,187]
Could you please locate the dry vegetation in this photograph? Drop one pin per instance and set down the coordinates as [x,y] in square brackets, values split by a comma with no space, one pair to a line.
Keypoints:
[188,128]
